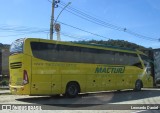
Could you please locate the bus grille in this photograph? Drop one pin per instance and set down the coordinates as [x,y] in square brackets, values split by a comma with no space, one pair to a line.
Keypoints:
[15,65]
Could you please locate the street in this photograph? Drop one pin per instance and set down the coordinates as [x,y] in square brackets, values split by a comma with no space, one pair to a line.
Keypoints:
[113,100]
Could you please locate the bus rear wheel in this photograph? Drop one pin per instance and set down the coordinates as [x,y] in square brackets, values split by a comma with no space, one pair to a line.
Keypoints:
[72,90]
[138,85]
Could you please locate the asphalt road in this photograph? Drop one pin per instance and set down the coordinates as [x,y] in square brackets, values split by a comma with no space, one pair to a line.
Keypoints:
[112,101]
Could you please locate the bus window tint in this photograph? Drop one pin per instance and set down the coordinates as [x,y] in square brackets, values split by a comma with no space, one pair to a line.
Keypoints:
[87,55]
[120,58]
[127,59]
[134,60]
[105,57]
[67,53]
[44,51]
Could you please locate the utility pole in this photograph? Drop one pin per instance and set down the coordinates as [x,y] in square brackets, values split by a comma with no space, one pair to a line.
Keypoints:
[52,21]
[54,5]
[56,25]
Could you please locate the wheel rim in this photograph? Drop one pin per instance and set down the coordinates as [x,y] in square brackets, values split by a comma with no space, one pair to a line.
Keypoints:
[138,85]
[72,90]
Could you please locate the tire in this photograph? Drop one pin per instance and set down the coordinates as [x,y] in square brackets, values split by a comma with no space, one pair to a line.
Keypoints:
[138,85]
[72,90]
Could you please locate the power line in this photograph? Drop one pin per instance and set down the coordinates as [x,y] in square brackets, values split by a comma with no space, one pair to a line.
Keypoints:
[22,34]
[142,36]
[83,30]
[73,36]
[93,21]
[49,1]
[91,18]
[104,24]
[22,30]
[13,35]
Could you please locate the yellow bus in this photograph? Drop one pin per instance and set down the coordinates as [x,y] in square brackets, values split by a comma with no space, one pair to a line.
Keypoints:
[47,67]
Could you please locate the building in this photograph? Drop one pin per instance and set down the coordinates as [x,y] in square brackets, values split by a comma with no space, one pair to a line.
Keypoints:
[156,57]
[4,61]
[0,62]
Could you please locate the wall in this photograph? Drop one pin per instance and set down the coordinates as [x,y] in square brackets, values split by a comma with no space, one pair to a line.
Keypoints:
[0,62]
[4,62]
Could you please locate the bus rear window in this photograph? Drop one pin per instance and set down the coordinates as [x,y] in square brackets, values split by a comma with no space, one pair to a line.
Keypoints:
[17,46]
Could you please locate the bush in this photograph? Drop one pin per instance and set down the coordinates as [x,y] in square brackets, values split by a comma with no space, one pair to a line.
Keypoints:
[4,83]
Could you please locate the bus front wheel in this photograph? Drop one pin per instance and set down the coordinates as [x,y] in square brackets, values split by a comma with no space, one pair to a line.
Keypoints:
[138,85]
[72,89]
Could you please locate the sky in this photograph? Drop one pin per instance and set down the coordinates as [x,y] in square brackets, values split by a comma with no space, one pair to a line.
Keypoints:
[31,18]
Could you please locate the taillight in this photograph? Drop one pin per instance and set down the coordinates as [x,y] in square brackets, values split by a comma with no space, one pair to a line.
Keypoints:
[25,78]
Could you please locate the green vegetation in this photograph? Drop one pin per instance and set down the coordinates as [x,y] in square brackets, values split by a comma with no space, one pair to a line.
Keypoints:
[4,82]
[4,46]
[118,43]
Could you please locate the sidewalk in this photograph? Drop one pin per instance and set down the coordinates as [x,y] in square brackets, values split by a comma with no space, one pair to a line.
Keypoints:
[4,92]
[4,87]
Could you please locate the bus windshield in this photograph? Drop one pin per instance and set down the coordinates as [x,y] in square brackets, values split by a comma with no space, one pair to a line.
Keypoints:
[17,46]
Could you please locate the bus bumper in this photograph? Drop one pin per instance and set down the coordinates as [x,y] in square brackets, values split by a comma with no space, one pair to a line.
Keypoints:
[18,90]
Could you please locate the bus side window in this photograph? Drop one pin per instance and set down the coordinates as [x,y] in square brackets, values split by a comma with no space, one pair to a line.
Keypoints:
[77,54]
[45,51]
[110,57]
[119,58]
[130,59]
[135,61]
[87,55]
[65,53]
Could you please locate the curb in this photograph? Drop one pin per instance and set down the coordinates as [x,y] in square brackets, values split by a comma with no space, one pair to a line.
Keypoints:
[4,92]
